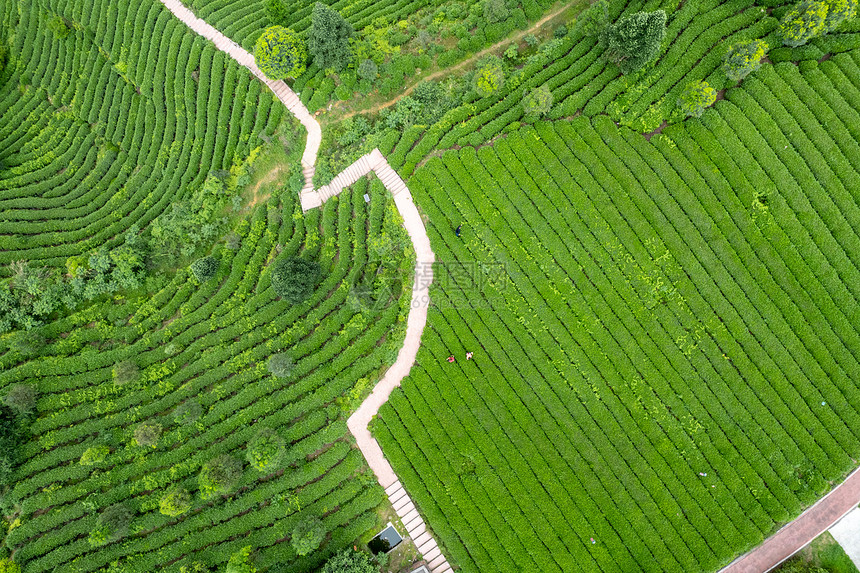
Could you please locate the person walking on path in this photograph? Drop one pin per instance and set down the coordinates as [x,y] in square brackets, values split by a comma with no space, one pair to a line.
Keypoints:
[457,230]
[451,358]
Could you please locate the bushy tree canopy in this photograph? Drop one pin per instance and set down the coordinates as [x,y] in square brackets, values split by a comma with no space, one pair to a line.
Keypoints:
[280,53]
[21,398]
[265,450]
[803,22]
[187,412]
[280,365]
[124,372]
[175,501]
[837,12]
[27,343]
[594,19]
[308,535]
[147,434]
[495,11]
[294,279]
[696,97]
[240,562]
[112,524]
[328,41]
[489,76]
[350,561]
[219,475]
[204,268]
[744,58]
[94,455]
[538,101]
[634,40]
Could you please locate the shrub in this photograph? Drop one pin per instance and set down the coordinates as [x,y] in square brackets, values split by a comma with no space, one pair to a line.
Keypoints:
[21,398]
[27,343]
[112,524]
[328,41]
[240,562]
[350,561]
[803,22]
[124,372]
[175,501]
[219,475]
[538,101]
[294,279]
[147,434]
[205,268]
[744,58]
[634,41]
[187,412]
[837,12]
[368,70]
[280,365]
[194,567]
[696,97]
[594,19]
[489,76]
[94,455]
[495,11]
[280,53]
[308,535]
[278,12]
[265,450]
[9,566]
[531,40]
[58,27]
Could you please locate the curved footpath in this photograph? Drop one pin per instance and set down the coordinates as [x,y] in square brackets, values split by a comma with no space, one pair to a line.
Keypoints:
[424,258]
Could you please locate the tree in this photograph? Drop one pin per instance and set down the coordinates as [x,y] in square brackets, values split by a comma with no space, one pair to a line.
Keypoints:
[350,561]
[696,97]
[147,434]
[204,268]
[294,279]
[489,76]
[280,53]
[328,41]
[538,101]
[112,524]
[265,450]
[124,372]
[219,475]
[803,22]
[27,343]
[21,398]
[281,365]
[367,70]
[495,11]
[240,562]
[634,41]
[277,12]
[175,501]
[94,455]
[593,20]
[187,412]
[744,58]
[837,12]
[308,535]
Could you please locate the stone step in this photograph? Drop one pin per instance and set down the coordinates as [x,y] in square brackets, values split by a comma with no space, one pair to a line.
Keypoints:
[417,530]
[405,509]
[411,520]
[438,562]
[397,496]
[432,554]
[421,540]
[428,545]
[444,568]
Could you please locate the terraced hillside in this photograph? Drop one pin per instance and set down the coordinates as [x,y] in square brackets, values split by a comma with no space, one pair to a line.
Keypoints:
[664,333]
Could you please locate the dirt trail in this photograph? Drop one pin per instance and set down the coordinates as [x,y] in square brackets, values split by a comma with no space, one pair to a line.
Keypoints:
[272,175]
[446,71]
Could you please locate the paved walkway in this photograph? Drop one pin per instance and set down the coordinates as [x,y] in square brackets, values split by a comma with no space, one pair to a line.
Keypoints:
[846,532]
[795,535]
[424,258]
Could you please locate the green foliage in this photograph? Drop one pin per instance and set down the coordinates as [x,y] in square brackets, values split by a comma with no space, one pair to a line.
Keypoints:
[634,41]
[838,11]
[744,58]
[328,40]
[367,70]
[205,268]
[219,475]
[176,501]
[538,101]
[124,372]
[27,342]
[489,76]
[94,455]
[294,279]
[9,566]
[112,524]
[187,412]
[495,11]
[280,53]
[350,561]
[803,22]
[194,567]
[281,365]
[696,97]
[240,562]
[21,398]
[594,19]
[147,434]
[58,27]
[265,450]
[278,12]
[307,535]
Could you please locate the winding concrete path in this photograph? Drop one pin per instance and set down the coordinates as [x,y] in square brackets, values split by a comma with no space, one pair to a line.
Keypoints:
[424,258]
